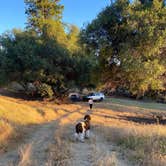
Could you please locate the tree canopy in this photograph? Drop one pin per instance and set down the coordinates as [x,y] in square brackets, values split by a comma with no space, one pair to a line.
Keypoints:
[129,37]
[45,52]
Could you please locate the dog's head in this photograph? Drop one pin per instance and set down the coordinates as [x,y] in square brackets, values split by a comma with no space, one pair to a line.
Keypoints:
[87,117]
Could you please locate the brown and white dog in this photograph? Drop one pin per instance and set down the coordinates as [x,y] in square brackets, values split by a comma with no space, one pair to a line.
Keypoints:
[83,129]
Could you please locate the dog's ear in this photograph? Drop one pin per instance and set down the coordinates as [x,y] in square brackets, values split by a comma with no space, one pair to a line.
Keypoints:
[87,117]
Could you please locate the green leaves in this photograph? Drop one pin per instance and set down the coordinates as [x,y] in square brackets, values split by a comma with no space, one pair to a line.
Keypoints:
[44,17]
[26,58]
[135,34]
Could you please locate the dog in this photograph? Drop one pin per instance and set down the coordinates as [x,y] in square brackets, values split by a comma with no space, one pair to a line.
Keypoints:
[82,129]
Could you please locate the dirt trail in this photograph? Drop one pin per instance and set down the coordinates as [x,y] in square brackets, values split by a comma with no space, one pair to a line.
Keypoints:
[93,152]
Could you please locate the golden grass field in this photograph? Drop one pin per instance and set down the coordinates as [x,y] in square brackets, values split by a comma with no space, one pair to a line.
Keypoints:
[41,133]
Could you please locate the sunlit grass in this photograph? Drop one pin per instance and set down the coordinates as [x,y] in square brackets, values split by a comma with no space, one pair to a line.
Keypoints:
[15,113]
[6,131]
[139,141]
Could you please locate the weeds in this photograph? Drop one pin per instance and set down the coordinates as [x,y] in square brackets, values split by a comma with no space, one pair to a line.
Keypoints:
[140,145]
[59,152]
[6,132]
[25,155]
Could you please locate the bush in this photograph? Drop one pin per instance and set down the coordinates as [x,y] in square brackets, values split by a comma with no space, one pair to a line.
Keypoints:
[161,98]
[45,90]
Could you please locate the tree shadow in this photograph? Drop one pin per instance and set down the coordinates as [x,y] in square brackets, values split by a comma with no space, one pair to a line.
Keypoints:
[144,120]
[18,95]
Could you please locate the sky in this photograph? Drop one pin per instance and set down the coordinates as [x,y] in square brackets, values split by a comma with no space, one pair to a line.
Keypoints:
[78,12]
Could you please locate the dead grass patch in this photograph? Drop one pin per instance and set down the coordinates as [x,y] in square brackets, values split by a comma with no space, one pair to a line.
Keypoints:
[25,155]
[141,142]
[102,157]
[138,140]
[59,152]
[6,132]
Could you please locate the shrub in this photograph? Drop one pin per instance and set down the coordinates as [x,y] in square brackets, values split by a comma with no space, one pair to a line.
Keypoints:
[45,90]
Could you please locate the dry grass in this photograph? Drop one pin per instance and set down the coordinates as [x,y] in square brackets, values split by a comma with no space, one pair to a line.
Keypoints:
[25,155]
[103,158]
[138,141]
[15,114]
[6,131]
[142,143]
[59,152]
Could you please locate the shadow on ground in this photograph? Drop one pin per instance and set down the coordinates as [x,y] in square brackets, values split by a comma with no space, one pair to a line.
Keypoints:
[144,120]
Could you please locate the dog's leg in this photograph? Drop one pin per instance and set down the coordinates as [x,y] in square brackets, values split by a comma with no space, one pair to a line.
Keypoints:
[81,136]
[76,136]
[87,133]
